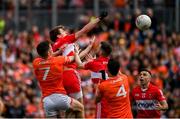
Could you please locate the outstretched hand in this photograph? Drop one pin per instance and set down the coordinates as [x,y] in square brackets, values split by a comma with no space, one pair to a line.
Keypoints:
[90,57]
[76,48]
[92,40]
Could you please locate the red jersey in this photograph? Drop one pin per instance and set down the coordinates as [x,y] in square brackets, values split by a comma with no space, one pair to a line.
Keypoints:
[69,51]
[48,73]
[63,41]
[146,101]
[66,44]
[116,92]
[95,66]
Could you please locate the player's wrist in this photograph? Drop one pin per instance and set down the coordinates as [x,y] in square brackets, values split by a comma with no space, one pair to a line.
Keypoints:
[103,15]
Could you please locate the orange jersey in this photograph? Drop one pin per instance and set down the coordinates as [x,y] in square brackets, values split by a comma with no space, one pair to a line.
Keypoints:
[49,74]
[116,92]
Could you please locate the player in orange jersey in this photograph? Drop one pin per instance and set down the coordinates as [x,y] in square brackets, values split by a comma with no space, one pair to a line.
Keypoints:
[98,68]
[116,92]
[48,71]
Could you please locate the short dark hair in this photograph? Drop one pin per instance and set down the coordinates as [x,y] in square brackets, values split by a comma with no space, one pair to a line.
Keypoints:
[43,48]
[113,67]
[145,69]
[54,32]
[106,48]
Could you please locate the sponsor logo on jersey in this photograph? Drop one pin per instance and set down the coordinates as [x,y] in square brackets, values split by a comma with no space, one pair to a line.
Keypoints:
[145,104]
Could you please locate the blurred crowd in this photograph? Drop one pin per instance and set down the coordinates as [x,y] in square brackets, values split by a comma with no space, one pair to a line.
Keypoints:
[87,4]
[157,49]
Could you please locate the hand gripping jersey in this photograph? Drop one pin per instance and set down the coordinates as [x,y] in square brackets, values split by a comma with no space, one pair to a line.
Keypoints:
[49,74]
[116,92]
[146,101]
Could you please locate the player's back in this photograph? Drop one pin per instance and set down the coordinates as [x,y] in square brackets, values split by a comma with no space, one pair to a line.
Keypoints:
[48,72]
[116,91]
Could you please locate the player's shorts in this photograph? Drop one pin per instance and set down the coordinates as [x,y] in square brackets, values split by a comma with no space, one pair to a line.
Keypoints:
[55,103]
[72,83]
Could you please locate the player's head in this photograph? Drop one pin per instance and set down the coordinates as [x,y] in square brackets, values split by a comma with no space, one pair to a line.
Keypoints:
[58,31]
[44,49]
[144,76]
[105,49]
[113,67]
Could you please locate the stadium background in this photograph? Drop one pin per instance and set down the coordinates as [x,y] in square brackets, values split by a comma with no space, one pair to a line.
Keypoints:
[24,23]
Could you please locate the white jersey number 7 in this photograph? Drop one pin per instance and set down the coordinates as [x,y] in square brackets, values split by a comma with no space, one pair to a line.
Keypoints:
[46,71]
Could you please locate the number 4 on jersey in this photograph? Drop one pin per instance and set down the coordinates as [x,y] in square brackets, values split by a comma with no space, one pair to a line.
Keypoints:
[121,91]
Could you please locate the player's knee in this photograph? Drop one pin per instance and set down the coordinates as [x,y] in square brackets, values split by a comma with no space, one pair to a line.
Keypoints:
[77,106]
[80,106]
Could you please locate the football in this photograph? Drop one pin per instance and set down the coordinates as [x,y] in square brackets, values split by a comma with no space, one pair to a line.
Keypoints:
[143,22]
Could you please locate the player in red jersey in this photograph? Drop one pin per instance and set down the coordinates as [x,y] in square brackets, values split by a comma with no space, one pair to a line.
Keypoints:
[116,91]
[48,70]
[61,39]
[98,69]
[149,98]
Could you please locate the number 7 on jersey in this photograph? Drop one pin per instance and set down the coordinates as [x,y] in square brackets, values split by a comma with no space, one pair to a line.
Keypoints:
[46,71]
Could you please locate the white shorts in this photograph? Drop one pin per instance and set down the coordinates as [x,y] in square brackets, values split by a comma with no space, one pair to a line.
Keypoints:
[55,103]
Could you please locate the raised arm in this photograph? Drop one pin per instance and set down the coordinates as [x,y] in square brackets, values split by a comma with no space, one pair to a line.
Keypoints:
[87,50]
[90,25]
[77,58]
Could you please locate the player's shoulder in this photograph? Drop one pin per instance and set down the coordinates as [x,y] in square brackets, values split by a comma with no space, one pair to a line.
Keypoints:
[123,75]
[154,87]
[136,89]
[59,58]
[36,60]
[106,82]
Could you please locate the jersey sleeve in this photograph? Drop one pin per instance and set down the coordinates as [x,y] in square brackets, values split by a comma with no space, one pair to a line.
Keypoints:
[93,66]
[89,65]
[35,62]
[160,96]
[101,88]
[64,40]
[131,96]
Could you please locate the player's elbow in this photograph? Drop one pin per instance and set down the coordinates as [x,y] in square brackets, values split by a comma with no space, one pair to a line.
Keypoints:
[166,107]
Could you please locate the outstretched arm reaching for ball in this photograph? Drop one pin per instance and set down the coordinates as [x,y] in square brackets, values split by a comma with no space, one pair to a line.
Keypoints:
[90,25]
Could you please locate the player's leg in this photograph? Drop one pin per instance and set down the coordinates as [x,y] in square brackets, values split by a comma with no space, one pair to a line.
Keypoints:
[55,103]
[76,106]
[78,96]
[72,84]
